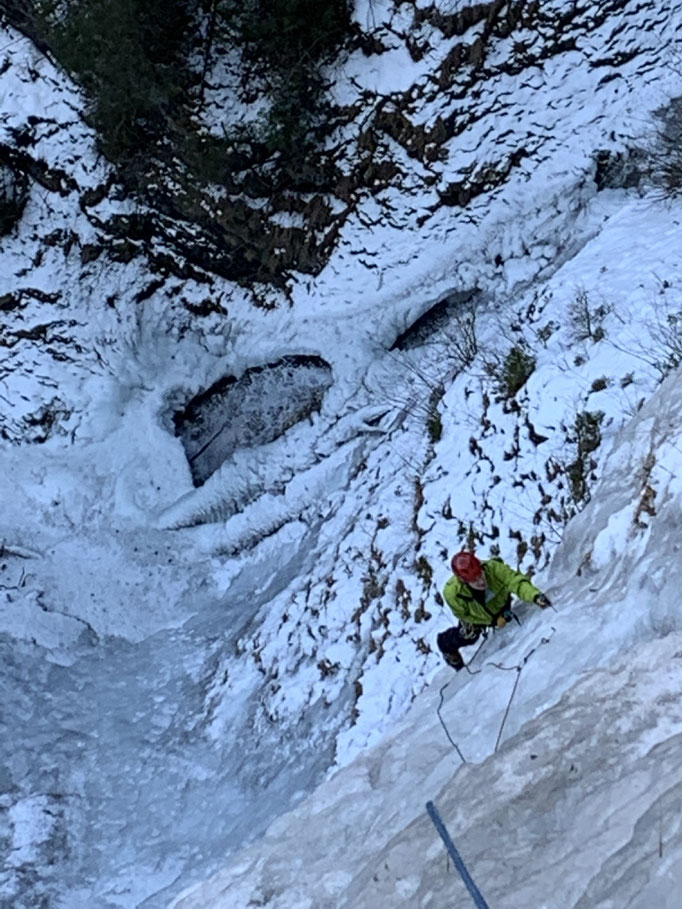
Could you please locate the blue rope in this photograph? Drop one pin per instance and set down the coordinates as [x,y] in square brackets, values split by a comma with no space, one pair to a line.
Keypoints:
[456,858]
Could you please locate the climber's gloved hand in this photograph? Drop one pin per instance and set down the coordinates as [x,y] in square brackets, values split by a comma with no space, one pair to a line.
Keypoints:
[505,618]
[542,601]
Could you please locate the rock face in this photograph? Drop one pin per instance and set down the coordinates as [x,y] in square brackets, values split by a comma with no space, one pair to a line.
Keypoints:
[444,137]
[252,410]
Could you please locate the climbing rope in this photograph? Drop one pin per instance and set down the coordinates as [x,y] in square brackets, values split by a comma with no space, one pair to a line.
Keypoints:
[466,665]
[442,695]
[544,640]
[506,712]
[442,722]
[431,808]
[518,668]
[456,857]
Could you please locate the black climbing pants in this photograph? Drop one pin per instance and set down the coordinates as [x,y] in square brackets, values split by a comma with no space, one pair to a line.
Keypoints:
[461,635]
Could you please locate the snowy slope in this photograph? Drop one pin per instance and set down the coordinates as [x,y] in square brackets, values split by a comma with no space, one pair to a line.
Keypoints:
[579,806]
[172,654]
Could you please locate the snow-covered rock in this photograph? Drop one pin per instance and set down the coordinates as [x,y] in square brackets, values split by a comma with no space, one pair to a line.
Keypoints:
[579,804]
[179,666]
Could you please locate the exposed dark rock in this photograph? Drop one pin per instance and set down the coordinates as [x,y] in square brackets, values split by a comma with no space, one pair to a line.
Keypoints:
[14,190]
[617,170]
[52,178]
[90,252]
[251,410]
[433,320]
[255,216]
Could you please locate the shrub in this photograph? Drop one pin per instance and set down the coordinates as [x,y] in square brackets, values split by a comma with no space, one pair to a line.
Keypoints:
[424,570]
[130,56]
[281,31]
[462,339]
[660,345]
[434,426]
[618,170]
[586,438]
[517,368]
[287,129]
[599,384]
[666,335]
[587,321]
[290,39]
[434,423]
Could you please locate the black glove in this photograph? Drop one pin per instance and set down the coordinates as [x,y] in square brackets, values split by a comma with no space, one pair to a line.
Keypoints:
[542,601]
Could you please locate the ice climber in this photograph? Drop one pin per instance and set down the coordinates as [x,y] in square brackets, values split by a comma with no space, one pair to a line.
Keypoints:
[479,594]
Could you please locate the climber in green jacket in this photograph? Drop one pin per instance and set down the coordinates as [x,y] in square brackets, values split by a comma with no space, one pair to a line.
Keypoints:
[479,594]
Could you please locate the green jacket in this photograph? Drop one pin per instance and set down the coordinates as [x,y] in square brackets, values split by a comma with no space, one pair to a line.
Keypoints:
[502,581]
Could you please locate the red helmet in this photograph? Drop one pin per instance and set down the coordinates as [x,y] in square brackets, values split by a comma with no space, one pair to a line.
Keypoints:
[466,566]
